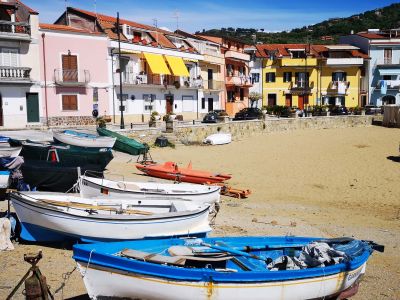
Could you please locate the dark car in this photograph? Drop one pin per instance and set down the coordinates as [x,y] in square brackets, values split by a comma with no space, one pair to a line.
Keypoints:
[339,111]
[373,110]
[250,113]
[212,116]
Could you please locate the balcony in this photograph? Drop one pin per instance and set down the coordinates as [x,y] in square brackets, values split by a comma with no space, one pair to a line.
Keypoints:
[213,85]
[301,87]
[391,84]
[338,87]
[67,77]
[15,74]
[237,55]
[298,62]
[15,30]
[240,80]
[350,61]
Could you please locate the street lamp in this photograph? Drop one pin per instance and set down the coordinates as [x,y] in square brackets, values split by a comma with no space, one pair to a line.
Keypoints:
[121,107]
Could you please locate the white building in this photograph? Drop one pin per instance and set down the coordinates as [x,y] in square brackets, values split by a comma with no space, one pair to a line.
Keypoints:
[19,65]
[255,66]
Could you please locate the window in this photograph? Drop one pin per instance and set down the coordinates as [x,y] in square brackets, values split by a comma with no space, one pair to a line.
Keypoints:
[298,54]
[137,37]
[69,102]
[9,57]
[230,69]
[301,78]
[287,76]
[339,76]
[148,100]
[387,56]
[387,77]
[242,71]
[231,96]
[270,77]
[241,94]
[255,77]
[203,103]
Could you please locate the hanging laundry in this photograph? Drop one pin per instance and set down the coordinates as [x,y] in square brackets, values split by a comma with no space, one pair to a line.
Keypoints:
[383,87]
[394,83]
[341,87]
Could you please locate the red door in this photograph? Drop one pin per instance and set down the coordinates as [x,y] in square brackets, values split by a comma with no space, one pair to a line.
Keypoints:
[300,103]
[288,100]
[169,104]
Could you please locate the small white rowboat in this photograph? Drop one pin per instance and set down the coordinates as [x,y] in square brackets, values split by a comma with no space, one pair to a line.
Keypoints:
[218,139]
[83,139]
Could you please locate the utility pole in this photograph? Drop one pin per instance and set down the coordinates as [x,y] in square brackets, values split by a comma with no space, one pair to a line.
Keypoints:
[121,107]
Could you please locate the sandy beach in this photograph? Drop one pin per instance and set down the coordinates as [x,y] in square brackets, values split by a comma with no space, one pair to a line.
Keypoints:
[336,182]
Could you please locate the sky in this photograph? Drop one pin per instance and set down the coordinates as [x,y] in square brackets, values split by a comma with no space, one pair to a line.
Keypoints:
[196,15]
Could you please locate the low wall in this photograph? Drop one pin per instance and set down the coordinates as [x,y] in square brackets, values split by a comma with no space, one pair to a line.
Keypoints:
[238,129]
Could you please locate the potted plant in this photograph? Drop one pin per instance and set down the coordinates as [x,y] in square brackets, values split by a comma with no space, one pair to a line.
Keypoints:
[101,122]
[153,119]
[177,84]
[254,97]
[169,123]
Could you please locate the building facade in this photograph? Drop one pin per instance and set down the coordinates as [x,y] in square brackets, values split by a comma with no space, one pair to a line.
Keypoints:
[74,78]
[236,73]
[19,65]
[383,68]
[256,67]
[159,70]
[299,75]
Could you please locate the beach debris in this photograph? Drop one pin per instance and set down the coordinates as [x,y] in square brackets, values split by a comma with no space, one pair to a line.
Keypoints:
[35,285]
[274,223]
[5,235]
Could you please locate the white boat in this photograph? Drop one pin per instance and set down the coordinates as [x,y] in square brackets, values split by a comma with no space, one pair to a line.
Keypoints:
[46,217]
[7,151]
[92,187]
[220,268]
[83,139]
[218,139]
[4,179]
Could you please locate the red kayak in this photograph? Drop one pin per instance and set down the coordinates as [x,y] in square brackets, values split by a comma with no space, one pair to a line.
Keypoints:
[171,171]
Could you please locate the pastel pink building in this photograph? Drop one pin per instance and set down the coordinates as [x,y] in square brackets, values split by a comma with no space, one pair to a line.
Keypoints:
[74,75]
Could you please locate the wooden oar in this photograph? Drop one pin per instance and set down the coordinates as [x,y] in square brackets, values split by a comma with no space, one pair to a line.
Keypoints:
[94,207]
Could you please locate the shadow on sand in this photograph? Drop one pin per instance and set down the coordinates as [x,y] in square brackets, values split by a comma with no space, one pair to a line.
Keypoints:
[394,158]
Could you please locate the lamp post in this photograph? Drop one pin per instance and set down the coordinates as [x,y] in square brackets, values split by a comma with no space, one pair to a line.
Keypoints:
[45,77]
[121,107]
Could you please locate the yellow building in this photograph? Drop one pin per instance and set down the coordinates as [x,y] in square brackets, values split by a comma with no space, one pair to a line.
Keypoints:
[299,75]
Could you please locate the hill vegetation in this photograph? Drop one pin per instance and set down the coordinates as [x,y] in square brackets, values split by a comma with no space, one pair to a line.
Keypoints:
[326,32]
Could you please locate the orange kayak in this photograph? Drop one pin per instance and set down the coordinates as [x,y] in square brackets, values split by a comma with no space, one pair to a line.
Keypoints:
[170,170]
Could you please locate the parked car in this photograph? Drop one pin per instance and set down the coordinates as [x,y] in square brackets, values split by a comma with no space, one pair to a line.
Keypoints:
[339,111]
[212,116]
[250,113]
[373,110]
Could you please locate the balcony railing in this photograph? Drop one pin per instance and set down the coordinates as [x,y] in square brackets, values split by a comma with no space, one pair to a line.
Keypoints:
[350,61]
[15,29]
[76,77]
[237,55]
[301,86]
[240,80]
[213,85]
[15,74]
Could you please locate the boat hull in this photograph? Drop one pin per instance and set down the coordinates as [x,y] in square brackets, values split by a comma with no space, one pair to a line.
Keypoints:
[105,282]
[43,224]
[91,187]
[9,151]
[182,174]
[218,139]
[84,141]
[123,143]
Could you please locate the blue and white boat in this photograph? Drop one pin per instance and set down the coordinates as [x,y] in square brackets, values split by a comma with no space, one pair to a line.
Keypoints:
[224,268]
[83,139]
[4,179]
[47,217]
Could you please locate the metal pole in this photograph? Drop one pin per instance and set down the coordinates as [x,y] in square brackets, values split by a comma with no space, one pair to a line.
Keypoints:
[113,84]
[45,78]
[122,125]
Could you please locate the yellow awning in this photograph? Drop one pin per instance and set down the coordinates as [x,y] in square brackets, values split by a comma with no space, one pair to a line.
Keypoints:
[157,64]
[177,66]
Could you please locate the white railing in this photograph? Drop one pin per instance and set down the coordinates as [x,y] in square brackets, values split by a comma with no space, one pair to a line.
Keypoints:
[9,27]
[71,77]
[14,73]
[391,84]
[345,61]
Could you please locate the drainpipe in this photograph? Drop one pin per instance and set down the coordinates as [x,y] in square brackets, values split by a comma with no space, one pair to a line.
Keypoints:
[45,78]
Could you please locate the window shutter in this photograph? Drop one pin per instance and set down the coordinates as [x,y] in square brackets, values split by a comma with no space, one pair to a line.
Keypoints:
[70,102]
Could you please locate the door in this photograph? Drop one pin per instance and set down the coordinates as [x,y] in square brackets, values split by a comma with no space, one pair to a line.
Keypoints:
[271,99]
[210,79]
[1,111]
[288,100]
[32,107]
[387,56]
[300,103]
[210,104]
[70,68]
[169,103]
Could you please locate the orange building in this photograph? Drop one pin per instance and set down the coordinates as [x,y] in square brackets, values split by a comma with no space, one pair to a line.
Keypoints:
[236,73]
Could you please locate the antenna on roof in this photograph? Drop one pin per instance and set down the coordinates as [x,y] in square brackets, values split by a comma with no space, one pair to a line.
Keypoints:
[66,12]
[95,12]
[176,16]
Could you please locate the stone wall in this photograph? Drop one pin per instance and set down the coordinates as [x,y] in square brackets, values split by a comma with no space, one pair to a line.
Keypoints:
[193,134]
[71,121]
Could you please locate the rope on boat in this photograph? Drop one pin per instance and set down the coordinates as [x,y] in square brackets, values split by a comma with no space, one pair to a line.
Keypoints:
[87,266]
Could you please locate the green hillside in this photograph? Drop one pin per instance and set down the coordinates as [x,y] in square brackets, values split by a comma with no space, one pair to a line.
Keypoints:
[326,32]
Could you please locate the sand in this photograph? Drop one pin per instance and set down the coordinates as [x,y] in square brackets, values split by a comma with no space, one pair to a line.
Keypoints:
[336,182]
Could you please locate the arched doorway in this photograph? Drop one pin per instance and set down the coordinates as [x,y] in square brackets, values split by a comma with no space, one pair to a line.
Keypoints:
[388,99]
